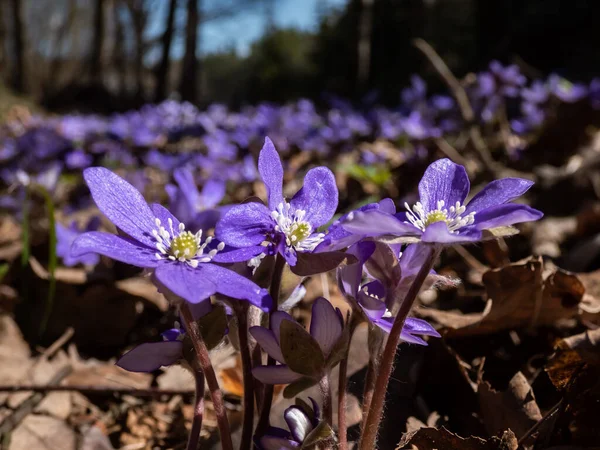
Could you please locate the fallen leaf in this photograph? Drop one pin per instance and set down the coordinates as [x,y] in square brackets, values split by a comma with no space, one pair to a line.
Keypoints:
[514,408]
[38,432]
[442,439]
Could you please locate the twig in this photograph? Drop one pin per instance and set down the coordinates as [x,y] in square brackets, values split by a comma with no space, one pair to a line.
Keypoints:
[211,378]
[464,104]
[248,424]
[28,405]
[539,423]
[450,151]
[56,345]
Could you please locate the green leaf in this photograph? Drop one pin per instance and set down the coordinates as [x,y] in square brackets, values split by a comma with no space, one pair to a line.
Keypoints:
[300,350]
[213,326]
[3,270]
[293,389]
[321,433]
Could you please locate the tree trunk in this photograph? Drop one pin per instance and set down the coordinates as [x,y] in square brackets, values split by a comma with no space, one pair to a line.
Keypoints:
[365,29]
[95,65]
[162,71]
[18,79]
[189,70]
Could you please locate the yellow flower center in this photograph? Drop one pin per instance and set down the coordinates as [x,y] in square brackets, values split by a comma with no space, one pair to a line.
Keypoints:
[435,216]
[185,245]
[299,231]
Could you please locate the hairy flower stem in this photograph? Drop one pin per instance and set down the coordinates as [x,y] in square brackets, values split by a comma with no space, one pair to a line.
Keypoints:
[263,421]
[371,429]
[198,412]
[248,424]
[375,342]
[342,387]
[325,386]
[209,372]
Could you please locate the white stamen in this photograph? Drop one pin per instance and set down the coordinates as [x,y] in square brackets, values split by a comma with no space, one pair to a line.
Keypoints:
[453,216]
[297,231]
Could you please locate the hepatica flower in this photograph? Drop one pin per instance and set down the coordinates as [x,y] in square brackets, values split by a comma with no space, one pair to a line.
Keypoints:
[441,216]
[300,354]
[288,228]
[301,420]
[374,298]
[152,238]
[65,236]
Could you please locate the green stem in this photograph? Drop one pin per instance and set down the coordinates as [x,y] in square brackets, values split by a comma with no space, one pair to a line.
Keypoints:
[371,429]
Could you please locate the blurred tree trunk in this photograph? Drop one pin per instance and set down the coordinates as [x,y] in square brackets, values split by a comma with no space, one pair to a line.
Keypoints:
[190,67]
[138,17]
[95,64]
[119,59]
[163,67]
[18,78]
[55,55]
[365,31]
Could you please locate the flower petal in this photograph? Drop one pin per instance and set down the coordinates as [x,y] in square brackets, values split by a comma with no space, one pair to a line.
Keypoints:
[376,223]
[245,225]
[503,215]
[325,325]
[212,193]
[443,180]
[419,326]
[318,196]
[298,423]
[373,307]
[350,275]
[267,341]
[187,186]
[121,203]
[277,443]
[163,214]
[236,286]
[271,172]
[276,318]
[182,280]
[149,357]
[387,205]
[438,233]
[231,254]
[279,374]
[115,247]
[497,193]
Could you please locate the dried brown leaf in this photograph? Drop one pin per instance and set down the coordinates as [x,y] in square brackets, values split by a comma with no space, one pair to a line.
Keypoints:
[442,439]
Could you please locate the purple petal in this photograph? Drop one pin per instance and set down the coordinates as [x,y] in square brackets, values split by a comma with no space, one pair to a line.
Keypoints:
[375,223]
[325,325]
[245,225]
[298,423]
[187,186]
[115,247]
[350,275]
[271,172]
[231,254]
[236,286]
[504,215]
[182,280]
[212,193]
[201,309]
[497,193]
[151,356]
[413,257]
[438,233]
[163,214]
[419,326]
[443,180]
[374,308]
[279,374]
[121,203]
[387,206]
[268,342]
[318,196]
[276,318]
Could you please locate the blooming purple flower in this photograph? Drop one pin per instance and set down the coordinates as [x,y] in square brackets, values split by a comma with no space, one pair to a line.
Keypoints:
[300,419]
[152,238]
[65,236]
[326,329]
[442,216]
[566,91]
[195,208]
[288,228]
[375,300]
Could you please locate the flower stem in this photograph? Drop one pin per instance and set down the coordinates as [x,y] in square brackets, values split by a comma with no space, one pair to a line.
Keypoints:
[342,388]
[248,424]
[263,421]
[211,378]
[375,341]
[371,429]
[325,386]
[198,412]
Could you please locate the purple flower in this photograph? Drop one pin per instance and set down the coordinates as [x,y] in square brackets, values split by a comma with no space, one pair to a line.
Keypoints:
[197,209]
[152,238]
[375,298]
[288,228]
[442,216]
[566,91]
[151,356]
[326,329]
[301,421]
[65,236]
